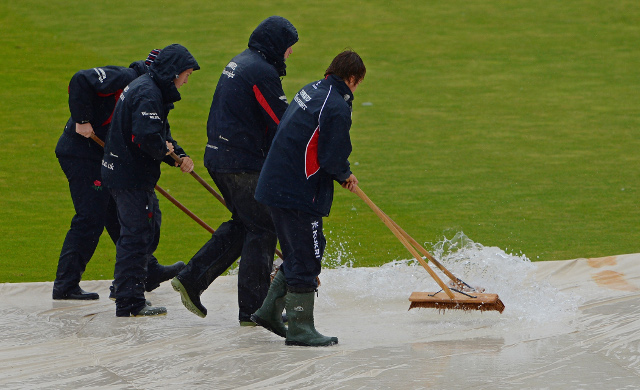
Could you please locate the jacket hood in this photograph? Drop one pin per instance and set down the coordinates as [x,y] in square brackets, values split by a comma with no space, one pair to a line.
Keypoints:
[272,38]
[140,67]
[172,60]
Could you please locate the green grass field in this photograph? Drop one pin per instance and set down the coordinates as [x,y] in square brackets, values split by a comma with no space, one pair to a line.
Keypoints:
[515,122]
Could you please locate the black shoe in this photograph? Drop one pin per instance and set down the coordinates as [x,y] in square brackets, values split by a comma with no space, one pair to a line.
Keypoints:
[112,295]
[164,273]
[149,311]
[76,294]
[146,311]
[190,298]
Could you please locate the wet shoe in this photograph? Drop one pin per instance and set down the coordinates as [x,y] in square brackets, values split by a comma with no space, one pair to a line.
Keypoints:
[149,311]
[112,296]
[76,294]
[190,298]
[161,273]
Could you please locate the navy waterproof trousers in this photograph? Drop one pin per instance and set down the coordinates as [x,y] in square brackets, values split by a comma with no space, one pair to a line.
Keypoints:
[249,234]
[302,242]
[140,219]
[94,210]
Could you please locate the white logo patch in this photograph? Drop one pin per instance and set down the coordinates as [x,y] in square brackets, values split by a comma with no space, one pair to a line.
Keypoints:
[151,115]
[102,76]
[108,166]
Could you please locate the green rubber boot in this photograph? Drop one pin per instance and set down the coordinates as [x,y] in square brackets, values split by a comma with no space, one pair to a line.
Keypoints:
[302,330]
[269,315]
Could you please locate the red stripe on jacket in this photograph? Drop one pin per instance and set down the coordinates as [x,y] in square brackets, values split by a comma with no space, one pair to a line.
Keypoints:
[117,96]
[311,164]
[264,104]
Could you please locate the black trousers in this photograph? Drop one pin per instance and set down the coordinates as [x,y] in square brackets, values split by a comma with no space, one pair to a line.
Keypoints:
[140,220]
[302,242]
[249,234]
[94,211]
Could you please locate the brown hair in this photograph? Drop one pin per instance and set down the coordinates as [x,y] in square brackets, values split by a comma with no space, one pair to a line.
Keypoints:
[346,65]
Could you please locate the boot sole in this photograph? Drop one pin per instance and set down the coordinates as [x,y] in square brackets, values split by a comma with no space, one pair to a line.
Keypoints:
[151,315]
[186,301]
[260,322]
[85,297]
[301,344]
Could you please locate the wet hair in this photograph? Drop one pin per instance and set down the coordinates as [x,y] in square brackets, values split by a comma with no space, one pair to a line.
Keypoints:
[346,65]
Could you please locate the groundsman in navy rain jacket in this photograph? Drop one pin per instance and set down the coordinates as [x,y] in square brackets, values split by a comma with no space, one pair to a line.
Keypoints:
[249,101]
[137,141]
[93,94]
[310,150]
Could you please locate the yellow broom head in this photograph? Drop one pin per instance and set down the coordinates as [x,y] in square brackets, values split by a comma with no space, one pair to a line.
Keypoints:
[442,302]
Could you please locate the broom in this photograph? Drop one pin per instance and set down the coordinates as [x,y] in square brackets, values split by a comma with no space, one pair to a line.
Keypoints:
[177,203]
[456,299]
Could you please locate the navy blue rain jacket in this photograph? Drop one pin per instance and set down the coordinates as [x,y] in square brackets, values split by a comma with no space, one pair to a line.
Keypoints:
[249,101]
[136,142]
[310,149]
[93,94]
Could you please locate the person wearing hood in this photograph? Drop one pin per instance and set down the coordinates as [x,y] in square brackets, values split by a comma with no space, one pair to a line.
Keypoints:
[93,94]
[309,153]
[138,142]
[247,106]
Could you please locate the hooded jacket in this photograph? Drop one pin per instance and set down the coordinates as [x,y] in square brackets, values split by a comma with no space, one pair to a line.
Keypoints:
[249,101]
[310,149]
[136,143]
[93,94]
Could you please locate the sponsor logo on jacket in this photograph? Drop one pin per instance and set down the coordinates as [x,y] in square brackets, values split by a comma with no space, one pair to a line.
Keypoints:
[229,73]
[102,76]
[123,92]
[109,166]
[300,96]
[151,115]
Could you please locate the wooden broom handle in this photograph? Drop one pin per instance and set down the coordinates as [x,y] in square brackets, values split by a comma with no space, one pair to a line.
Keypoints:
[97,140]
[184,209]
[201,181]
[392,226]
[427,254]
[212,191]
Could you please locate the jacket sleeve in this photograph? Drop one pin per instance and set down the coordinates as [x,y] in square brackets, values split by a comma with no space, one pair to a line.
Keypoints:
[334,143]
[273,103]
[86,84]
[147,128]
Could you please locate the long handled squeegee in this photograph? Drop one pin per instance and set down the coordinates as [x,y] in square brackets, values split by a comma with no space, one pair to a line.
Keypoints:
[450,298]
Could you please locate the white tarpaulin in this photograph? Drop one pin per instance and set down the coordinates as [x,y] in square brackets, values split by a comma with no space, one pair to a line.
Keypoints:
[567,324]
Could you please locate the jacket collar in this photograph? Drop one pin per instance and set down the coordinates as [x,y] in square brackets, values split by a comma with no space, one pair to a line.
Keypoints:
[341,87]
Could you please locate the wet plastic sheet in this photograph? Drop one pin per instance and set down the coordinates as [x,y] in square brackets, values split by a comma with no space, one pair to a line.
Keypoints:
[567,324]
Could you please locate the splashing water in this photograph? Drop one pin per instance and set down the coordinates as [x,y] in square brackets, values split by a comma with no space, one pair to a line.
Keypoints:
[510,276]
[337,253]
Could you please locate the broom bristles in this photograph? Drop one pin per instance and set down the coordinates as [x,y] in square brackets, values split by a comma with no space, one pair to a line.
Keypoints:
[481,302]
